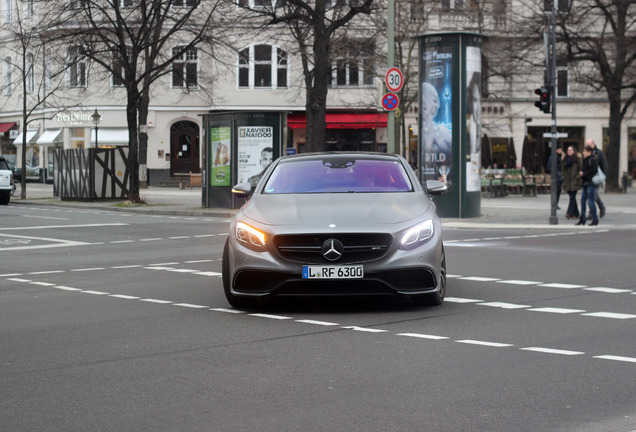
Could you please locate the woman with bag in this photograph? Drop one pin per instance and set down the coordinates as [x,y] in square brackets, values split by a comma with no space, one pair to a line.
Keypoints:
[590,167]
[572,166]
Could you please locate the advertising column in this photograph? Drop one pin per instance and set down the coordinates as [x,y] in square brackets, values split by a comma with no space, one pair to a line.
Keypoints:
[450,119]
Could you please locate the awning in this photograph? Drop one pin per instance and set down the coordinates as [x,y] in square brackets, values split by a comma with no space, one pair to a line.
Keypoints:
[50,136]
[30,138]
[110,136]
[342,120]
[494,130]
[5,127]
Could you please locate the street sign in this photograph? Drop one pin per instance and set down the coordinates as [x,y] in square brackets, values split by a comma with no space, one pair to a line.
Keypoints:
[390,101]
[394,80]
[558,135]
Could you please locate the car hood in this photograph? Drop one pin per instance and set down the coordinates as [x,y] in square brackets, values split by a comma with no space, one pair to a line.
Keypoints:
[351,210]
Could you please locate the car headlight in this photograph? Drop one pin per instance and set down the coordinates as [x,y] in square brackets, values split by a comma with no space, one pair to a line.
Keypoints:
[415,236]
[250,237]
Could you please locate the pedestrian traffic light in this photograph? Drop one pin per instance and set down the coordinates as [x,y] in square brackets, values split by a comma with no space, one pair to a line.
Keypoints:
[544,99]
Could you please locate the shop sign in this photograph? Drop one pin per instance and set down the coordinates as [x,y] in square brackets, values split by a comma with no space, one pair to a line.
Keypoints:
[74,118]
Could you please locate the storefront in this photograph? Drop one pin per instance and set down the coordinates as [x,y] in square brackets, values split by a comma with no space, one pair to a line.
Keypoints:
[346,131]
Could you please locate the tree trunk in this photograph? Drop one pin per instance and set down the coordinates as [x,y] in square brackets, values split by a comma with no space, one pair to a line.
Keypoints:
[613,152]
[316,107]
[143,139]
[133,146]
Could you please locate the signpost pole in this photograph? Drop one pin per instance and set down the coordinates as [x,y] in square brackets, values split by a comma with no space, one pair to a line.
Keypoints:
[390,132]
[554,220]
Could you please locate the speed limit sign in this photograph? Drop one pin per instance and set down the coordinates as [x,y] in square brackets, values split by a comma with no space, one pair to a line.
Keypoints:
[394,80]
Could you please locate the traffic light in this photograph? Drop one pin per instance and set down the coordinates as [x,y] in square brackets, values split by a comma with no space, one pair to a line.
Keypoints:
[544,99]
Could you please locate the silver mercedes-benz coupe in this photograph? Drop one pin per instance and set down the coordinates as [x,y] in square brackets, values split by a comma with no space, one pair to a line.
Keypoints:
[336,224]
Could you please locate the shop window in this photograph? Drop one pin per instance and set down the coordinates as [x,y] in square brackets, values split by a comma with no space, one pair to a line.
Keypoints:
[185,68]
[262,66]
[78,138]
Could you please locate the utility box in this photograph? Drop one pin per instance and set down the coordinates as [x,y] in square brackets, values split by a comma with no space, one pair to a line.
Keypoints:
[450,119]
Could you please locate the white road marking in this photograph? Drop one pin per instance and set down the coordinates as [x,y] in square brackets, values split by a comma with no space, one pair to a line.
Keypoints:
[617,358]
[46,272]
[150,239]
[159,268]
[19,280]
[149,300]
[503,305]
[610,315]
[556,310]
[321,323]
[276,317]
[10,275]
[461,300]
[54,243]
[122,241]
[44,217]
[479,279]
[125,297]
[63,226]
[42,283]
[484,343]
[94,292]
[164,264]
[127,266]
[561,285]
[88,269]
[178,237]
[209,273]
[608,290]
[66,288]
[423,336]
[193,306]
[226,310]
[198,261]
[183,271]
[364,329]
[552,351]
[518,282]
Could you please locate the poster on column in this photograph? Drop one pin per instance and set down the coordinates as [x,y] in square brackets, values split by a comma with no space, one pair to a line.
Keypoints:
[473,118]
[436,115]
[255,152]
[221,156]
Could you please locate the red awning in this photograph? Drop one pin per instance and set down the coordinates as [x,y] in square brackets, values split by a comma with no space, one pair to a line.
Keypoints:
[342,120]
[5,127]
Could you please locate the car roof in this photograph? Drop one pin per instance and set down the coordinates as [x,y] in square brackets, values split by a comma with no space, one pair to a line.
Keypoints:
[339,154]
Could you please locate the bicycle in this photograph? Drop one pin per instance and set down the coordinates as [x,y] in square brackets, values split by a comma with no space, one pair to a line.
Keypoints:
[17,189]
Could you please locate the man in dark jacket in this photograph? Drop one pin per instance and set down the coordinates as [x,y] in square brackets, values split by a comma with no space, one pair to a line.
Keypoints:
[602,164]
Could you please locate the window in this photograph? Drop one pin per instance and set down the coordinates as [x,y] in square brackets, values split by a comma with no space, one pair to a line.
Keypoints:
[7,11]
[28,8]
[76,68]
[30,83]
[184,3]
[354,68]
[562,81]
[7,71]
[78,4]
[185,68]
[452,5]
[262,66]
[48,70]
[561,5]
[126,3]
[261,4]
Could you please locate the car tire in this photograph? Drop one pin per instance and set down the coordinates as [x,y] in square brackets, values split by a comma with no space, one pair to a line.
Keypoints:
[4,199]
[436,298]
[234,300]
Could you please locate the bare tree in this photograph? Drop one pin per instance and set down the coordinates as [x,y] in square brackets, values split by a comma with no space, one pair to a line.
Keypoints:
[26,38]
[601,34]
[314,26]
[133,40]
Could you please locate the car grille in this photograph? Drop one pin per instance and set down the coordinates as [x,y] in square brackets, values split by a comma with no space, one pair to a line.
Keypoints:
[306,248]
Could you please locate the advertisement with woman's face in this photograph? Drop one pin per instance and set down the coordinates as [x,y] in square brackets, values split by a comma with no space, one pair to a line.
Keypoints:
[473,118]
[436,120]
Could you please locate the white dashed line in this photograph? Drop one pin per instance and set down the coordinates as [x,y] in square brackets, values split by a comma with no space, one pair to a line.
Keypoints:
[149,300]
[518,282]
[561,285]
[209,273]
[193,306]
[610,315]
[461,300]
[276,317]
[552,351]
[616,358]
[226,310]
[608,290]
[364,329]
[66,288]
[42,283]
[125,297]
[423,336]
[46,272]
[94,292]
[126,267]
[557,310]
[321,323]
[88,269]
[19,280]
[479,279]
[484,343]
[504,305]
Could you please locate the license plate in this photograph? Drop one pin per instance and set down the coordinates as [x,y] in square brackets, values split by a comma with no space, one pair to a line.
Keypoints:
[333,272]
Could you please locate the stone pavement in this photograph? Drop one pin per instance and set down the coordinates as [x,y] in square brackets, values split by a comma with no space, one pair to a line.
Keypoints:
[512,211]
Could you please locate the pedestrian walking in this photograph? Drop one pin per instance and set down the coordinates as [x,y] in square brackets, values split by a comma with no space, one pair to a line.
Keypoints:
[572,166]
[559,176]
[590,167]
[602,163]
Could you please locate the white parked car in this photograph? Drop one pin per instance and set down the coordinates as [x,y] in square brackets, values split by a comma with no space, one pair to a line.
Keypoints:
[6,182]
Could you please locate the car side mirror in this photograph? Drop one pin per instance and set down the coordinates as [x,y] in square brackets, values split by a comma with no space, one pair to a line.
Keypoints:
[242,190]
[436,187]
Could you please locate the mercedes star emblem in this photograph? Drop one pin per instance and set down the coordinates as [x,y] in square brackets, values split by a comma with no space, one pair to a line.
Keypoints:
[332,249]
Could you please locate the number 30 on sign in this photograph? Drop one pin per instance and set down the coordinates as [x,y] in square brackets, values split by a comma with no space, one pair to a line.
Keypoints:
[394,80]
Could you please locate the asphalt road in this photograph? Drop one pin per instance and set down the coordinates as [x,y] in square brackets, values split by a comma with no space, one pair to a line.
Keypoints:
[117,321]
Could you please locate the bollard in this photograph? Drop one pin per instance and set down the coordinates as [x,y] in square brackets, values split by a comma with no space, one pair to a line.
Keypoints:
[625,180]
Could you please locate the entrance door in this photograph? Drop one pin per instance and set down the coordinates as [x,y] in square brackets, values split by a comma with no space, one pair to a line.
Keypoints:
[184,147]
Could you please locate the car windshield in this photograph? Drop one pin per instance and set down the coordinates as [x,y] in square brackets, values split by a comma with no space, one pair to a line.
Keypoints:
[3,165]
[338,175]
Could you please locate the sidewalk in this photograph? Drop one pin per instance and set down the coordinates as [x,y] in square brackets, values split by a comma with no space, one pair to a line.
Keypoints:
[512,211]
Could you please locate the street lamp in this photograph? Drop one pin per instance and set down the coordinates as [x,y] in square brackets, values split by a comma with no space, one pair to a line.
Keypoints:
[96,118]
